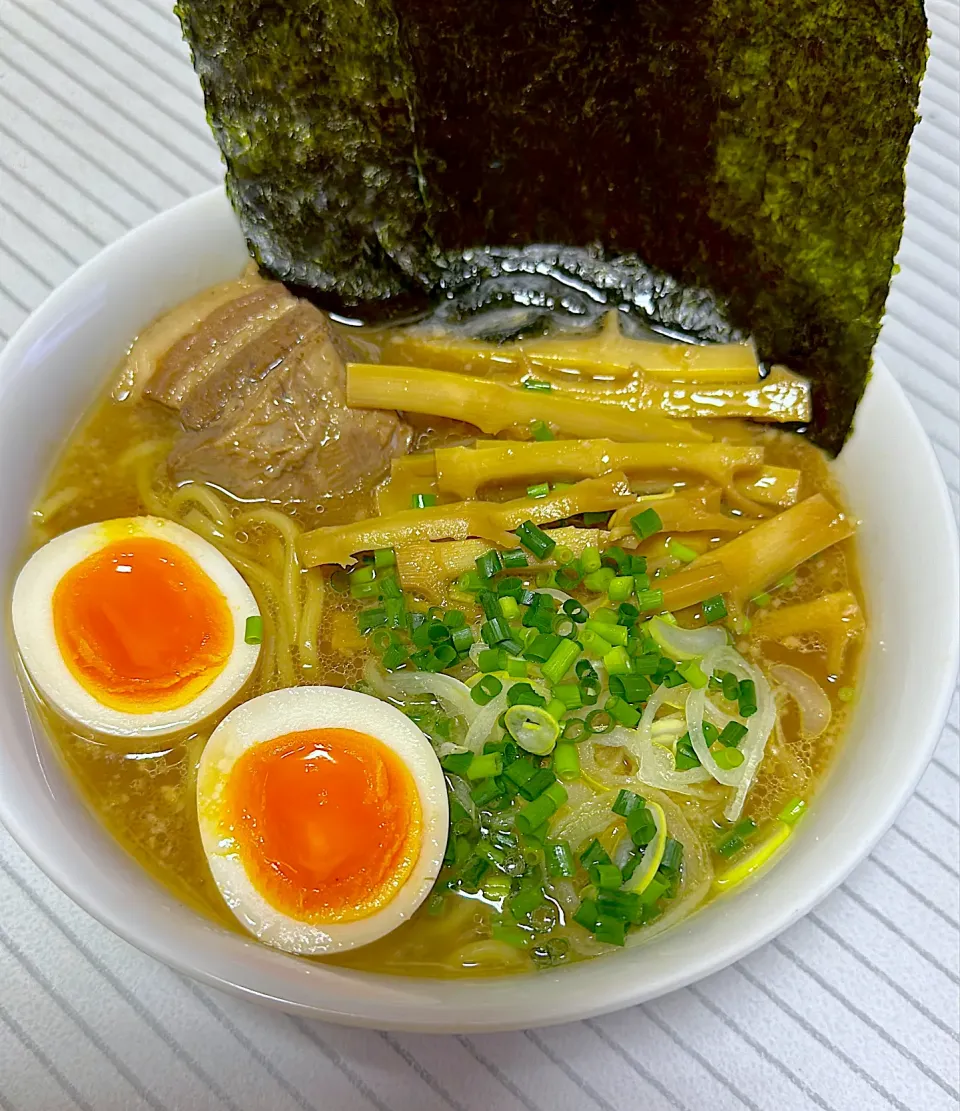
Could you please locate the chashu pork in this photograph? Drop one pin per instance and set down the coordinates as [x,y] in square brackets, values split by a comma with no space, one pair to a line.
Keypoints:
[258,383]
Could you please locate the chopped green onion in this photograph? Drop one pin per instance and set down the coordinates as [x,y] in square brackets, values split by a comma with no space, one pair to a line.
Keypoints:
[575,611]
[457,762]
[793,811]
[555,708]
[641,826]
[617,661]
[672,855]
[681,551]
[606,876]
[528,898]
[470,582]
[575,730]
[685,757]
[647,663]
[516,669]
[599,721]
[486,690]
[762,599]
[395,656]
[620,588]
[729,845]
[566,761]
[534,787]
[623,905]
[542,647]
[542,809]
[646,523]
[486,791]
[568,695]
[494,631]
[787,581]
[536,384]
[590,560]
[423,501]
[539,430]
[560,660]
[492,659]
[535,540]
[691,671]
[846,694]
[253,630]
[462,638]
[649,599]
[489,563]
[732,734]
[747,698]
[728,758]
[514,558]
[522,694]
[369,619]
[598,581]
[364,590]
[612,931]
[559,859]
[540,490]
[594,853]
[532,728]
[631,688]
[484,766]
[730,686]
[623,712]
[563,555]
[586,914]
[509,608]
[714,609]
[384,557]
[626,802]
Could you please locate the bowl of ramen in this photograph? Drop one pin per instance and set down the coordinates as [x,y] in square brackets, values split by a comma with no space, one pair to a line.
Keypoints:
[408,679]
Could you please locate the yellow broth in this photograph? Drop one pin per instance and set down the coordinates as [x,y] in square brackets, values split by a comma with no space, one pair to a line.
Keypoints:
[112,466]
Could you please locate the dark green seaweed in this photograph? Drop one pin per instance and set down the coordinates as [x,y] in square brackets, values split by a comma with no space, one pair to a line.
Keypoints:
[719,167]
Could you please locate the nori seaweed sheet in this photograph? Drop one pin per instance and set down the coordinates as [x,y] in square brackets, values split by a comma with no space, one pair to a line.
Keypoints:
[720,167]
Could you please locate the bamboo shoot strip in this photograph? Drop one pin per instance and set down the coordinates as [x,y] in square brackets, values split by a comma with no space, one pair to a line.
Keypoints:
[772,486]
[680,513]
[494,407]
[461,471]
[609,352]
[427,568]
[757,558]
[704,579]
[836,619]
[459,520]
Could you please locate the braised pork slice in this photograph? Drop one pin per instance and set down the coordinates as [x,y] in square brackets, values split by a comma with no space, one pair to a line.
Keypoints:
[259,387]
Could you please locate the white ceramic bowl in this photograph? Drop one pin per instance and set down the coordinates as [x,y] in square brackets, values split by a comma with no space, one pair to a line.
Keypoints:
[51,372]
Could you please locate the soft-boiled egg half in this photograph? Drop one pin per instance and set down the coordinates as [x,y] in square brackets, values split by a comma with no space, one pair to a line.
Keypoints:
[134,627]
[323,815]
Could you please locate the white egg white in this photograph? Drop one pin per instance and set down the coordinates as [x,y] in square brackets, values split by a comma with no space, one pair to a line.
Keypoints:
[33,627]
[293,710]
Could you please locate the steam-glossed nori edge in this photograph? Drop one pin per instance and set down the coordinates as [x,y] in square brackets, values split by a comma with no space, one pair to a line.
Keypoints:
[750,154]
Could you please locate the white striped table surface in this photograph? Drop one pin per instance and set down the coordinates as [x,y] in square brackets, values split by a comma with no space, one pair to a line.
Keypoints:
[855,1008]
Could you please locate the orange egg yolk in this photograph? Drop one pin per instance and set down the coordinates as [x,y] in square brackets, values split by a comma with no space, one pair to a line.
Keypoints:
[328,823]
[141,626]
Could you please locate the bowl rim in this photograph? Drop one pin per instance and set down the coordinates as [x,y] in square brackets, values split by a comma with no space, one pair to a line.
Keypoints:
[495,1015]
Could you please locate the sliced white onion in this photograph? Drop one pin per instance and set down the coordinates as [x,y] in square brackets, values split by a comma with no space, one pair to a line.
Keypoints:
[451,692]
[483,723]
[759,726]
[656,759]
[587,820]
[399,685]
[685,644]
[810,697]
[450,748]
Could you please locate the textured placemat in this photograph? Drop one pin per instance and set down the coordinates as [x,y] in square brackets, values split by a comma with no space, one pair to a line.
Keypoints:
[853,1009]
